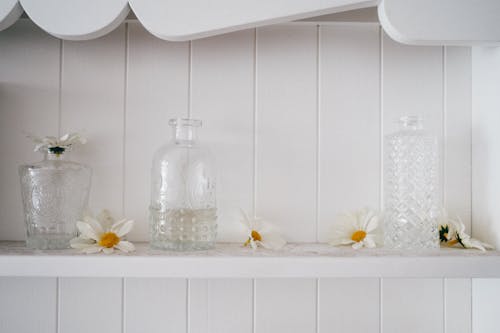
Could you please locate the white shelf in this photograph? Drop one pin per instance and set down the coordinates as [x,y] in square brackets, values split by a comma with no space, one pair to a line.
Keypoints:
[234,261]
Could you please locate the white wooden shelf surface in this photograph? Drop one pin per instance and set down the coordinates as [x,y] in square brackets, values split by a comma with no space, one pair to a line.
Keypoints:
[231,260]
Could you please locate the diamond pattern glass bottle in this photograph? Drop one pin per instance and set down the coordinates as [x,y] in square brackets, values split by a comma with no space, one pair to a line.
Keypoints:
[412,195]
[55,195]
[183,213]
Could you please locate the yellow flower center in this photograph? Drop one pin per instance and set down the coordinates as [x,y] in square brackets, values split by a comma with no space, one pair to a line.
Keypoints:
[452,242]
[109,239]
[253,235]
[358,236]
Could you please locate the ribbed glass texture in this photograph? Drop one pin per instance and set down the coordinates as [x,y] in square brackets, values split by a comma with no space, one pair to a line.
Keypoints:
[55,195]
[183,213]
[412,195]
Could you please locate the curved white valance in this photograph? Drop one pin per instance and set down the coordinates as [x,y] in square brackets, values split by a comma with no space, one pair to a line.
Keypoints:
[175,20]
[420,22]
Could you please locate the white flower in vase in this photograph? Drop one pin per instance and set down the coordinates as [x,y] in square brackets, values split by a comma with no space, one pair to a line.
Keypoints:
[356,229]
[58,145]
[103,234]
[261,233]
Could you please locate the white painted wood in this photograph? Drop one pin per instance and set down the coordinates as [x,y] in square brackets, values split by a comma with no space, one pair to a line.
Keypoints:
[449,22]
[155,305]
[179,20]
[226,110]
[157,90]
[28,304]
[485,144]
[349,166]
[412,305]
[90,304]
[458,305]
[77,19]
[10,11]
[231,260]
[29,80]
[286,129]
[457,145]
[93,102]
[285,305]
[349,305]
[221,305]
[485,304]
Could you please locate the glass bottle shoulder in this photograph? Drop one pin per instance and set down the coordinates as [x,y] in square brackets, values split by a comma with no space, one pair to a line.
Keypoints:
[56,165]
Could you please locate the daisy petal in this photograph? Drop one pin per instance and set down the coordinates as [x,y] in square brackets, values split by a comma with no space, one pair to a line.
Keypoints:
[92,249]
[86,231]
[369,242]
[80,243]
[125,246]
[357,245]
[372,224]
[123,227]
[94,224]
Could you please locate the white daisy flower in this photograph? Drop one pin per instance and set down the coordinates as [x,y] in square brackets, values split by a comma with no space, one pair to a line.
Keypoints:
[356,229]
[102,234]
[58,145]
[261,233]
[453,233]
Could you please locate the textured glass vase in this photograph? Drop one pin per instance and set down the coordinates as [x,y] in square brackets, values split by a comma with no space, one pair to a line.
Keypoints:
[183,213]
[55,195]
[412,196]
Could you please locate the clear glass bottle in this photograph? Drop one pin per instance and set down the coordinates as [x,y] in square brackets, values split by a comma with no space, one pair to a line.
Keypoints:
[412,196]
[55,195]
[183,213]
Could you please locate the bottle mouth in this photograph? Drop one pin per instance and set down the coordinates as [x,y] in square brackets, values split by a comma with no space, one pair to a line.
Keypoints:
[175,122]
[56,150]
[410,122]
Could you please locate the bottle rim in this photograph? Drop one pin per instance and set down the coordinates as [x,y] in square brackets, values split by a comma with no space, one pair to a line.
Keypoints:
[174,122]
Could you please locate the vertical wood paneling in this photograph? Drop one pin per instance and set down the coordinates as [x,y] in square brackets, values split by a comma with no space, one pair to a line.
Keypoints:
[93,74]
[286,305]
[486,144]
[157,90]
[90,304]
[349,305]
[412,85]
[349,125]
[226,110]
[286,128]
[458,305]
[412,305]
[457,153]
[485,305]
[29,88]
[28,305]
[221,306]
[155,305]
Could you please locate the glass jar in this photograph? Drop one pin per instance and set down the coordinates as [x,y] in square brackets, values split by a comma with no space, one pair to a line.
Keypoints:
[183,213]
[55,195]
[412,195]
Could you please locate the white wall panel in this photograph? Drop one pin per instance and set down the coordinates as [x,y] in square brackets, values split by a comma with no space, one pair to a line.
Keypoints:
[286,305]
[155,305]
[221,306]
[93,82]
[28,305]
[29,81]
[287,128]
[412,305]
[349,166]
[157,90]
[485,305]
[89,304]
[486,144]
[349,305]
[226,110]
[457,301]
[457,133]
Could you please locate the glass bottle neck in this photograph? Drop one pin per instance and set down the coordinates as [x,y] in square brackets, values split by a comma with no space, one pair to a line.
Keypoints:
[49,156]
[185,135]
[411,123]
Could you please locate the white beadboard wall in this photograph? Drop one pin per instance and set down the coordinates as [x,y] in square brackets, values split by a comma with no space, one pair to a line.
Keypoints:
[295,114]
